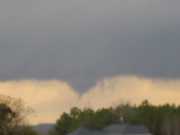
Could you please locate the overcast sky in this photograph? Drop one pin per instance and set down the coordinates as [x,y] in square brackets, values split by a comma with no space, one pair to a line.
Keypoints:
[82,41]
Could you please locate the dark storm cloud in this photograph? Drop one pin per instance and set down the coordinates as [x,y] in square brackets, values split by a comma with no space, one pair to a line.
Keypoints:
[85,40]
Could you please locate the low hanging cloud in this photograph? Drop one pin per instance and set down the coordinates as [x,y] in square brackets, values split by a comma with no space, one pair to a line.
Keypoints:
[50,98]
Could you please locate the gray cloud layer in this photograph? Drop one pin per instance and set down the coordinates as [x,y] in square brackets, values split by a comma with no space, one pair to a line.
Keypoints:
[85,40]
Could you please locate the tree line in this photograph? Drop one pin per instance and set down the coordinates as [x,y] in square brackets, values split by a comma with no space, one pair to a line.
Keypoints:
[160,120]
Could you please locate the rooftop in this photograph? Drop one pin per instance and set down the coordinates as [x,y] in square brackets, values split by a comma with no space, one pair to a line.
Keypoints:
[119,129]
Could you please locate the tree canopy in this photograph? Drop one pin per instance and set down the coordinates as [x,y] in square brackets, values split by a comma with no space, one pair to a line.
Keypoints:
[160,120]
[12,117]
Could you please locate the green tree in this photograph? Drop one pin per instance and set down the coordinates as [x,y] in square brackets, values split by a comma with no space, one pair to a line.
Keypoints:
[64,124]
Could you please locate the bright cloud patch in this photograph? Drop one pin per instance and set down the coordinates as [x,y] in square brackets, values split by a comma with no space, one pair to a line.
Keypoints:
[50,98]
